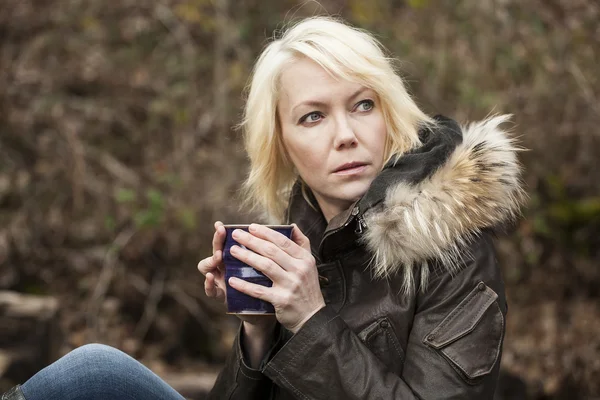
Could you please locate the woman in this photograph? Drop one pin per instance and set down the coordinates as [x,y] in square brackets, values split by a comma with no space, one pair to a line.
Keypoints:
[389,287]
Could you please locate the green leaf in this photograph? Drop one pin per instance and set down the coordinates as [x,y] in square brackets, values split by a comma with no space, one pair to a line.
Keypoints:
[187,218]
[181,117]
[588,208]
[125,196]
[540,226]
[155,198]
[110,223]
[556,186]
[172,180]
[418,3]
[147,219]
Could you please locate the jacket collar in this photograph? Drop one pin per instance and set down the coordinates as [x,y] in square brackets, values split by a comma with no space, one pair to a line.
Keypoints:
[413,166]
[309,219]
[429,202]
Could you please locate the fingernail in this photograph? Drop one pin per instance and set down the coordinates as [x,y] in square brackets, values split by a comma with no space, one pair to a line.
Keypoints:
[253,228]
[237,233]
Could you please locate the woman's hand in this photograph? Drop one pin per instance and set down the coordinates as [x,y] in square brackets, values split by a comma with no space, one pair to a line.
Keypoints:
[212,267]
[214,284]
[295,293]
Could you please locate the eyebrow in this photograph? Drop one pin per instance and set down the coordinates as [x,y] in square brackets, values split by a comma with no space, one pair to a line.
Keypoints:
[316,103]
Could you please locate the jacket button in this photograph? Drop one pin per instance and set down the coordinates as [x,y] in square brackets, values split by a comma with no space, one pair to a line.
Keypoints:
[384,324]
[323,281]
[430,338]
[481,286]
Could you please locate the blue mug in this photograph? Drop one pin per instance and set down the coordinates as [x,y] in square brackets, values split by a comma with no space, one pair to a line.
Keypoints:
[238,302]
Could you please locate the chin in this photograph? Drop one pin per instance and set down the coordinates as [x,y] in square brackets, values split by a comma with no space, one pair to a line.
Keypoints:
[353,191]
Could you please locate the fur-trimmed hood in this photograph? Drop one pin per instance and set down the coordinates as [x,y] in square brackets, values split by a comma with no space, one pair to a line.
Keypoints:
[429,204]
[477,187]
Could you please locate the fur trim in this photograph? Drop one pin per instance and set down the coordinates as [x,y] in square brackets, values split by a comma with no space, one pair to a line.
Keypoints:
[478,187]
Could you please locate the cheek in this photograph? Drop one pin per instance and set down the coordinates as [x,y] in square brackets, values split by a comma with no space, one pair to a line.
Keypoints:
[308,159]
[382,139]
[378,132]
[306,155]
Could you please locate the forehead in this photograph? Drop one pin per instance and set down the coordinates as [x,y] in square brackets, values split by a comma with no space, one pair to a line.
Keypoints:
[305,80]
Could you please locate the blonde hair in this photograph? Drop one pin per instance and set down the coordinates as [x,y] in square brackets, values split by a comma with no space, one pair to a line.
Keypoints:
[345,52]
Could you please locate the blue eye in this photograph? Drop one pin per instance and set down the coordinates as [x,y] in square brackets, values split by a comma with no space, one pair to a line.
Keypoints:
[311,117]
[365,105]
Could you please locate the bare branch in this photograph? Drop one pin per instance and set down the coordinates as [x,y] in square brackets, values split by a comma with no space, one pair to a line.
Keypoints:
[105,279]
[154,296]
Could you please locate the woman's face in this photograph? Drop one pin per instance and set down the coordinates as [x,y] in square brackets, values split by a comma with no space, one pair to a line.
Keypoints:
[334,133]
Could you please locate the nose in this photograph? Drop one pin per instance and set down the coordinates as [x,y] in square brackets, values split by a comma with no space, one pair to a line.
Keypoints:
[345,136]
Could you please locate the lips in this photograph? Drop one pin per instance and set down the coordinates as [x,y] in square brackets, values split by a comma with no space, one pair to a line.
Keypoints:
[350,165]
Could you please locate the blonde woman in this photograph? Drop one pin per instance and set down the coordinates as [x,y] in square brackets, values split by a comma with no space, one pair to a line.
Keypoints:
[388,288]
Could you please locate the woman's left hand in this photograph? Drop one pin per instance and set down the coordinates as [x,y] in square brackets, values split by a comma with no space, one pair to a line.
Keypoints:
[295,293]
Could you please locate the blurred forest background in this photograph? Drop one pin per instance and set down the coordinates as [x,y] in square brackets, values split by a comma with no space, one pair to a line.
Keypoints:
[117,154]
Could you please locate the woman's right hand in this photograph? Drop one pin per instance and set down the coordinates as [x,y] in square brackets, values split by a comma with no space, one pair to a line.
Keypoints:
[214,284]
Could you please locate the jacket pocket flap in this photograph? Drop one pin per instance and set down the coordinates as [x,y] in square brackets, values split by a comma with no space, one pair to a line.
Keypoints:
[380,338]
[463,318]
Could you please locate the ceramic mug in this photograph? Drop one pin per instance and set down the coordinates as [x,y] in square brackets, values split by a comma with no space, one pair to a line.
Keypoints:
[238,302]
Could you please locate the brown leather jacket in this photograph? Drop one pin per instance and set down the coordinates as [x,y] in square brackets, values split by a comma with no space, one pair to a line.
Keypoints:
[415,300]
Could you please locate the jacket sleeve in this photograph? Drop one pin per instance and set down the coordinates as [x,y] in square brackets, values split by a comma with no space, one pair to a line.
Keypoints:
[238,381]
[453,350]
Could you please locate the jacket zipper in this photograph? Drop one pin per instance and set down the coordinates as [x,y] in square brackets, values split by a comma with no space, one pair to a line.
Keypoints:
[361,226]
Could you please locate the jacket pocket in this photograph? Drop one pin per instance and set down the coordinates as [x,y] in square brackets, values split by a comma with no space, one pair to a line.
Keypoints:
[470,337]
[381,339]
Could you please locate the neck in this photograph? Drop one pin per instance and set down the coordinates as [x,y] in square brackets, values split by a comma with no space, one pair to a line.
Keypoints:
[329,207]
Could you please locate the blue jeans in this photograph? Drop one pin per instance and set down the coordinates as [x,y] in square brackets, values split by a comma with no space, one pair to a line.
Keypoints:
[97,372]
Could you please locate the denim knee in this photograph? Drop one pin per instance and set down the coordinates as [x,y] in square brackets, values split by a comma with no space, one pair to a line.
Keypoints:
[99,360]
[97,372]
[89,372]
[96,350]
